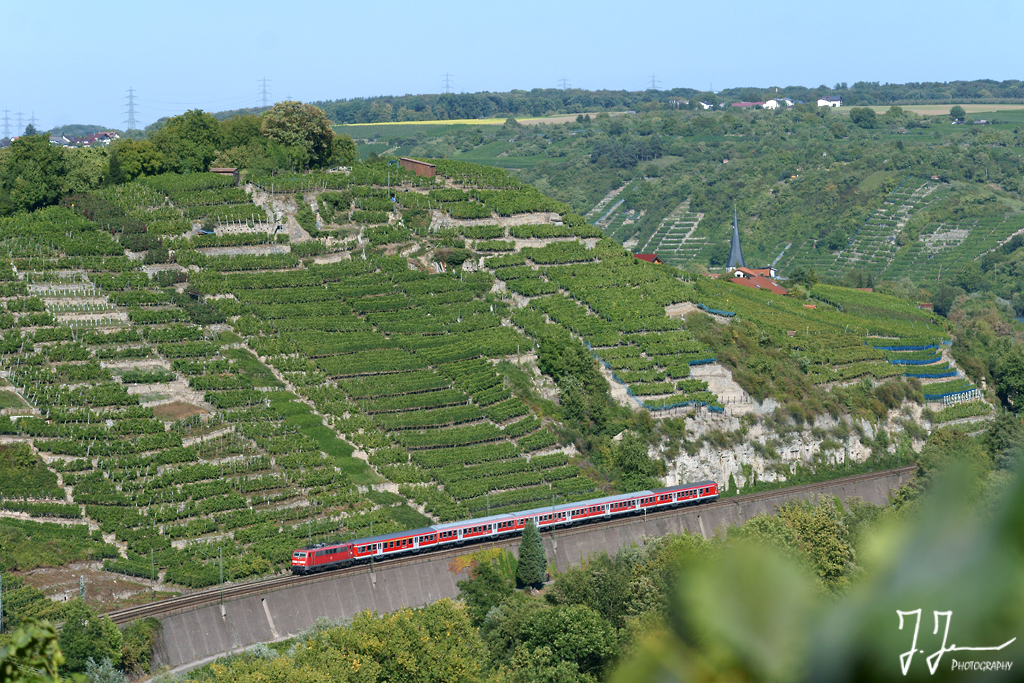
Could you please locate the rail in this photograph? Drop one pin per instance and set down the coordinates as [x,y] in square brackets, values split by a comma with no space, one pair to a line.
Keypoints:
[212,596]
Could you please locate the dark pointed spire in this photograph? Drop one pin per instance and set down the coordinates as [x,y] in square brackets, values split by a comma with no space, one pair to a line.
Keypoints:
[735,252]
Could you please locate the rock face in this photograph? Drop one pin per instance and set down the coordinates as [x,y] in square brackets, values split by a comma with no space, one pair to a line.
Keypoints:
[731,445]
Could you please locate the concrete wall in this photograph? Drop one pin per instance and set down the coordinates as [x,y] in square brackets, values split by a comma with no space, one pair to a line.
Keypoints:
[212,630]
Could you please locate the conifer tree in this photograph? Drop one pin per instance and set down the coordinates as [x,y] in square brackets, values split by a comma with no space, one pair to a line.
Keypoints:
[532,560]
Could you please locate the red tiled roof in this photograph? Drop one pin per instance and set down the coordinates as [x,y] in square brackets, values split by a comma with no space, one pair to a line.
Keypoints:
[650,258]
[759,282]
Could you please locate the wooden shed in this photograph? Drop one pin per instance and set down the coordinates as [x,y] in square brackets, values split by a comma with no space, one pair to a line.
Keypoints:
[420,168]
[233,172]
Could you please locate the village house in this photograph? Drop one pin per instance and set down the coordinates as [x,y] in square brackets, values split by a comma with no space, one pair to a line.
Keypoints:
[830,101]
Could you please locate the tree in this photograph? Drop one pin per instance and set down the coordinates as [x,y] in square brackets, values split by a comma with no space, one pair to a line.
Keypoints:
[30,130]
[32,656]
[31,174]
[483,590]
[863,117]
[635,468]
[86,635]
[532,560]
[957,113]
[189,142]
[1009,377]
[575,633]
[102,672]
[136,158]
[345,153]
[302,126]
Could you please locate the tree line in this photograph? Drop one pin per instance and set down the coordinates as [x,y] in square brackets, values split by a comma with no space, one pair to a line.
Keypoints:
[290,136]
[547,101]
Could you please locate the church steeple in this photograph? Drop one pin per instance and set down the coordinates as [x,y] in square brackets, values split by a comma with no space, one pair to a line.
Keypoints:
[735,251]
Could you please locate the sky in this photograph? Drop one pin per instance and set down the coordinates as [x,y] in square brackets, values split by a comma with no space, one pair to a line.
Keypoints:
[65,62]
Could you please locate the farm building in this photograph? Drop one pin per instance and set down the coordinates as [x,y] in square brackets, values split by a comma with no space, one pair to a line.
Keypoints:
[233,172]
[420,168]
[830,101]
[650,258]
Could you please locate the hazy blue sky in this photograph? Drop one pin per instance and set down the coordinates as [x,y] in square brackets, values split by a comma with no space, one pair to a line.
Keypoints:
[73,62]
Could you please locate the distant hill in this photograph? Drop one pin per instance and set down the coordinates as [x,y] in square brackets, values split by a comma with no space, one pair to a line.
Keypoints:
[80,130]
[541,101]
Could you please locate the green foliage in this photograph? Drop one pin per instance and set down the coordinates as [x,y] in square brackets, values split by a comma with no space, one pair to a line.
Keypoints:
[86,635]
[30,175]
[533,562]
[33,655]
[24,475]
[305,131]
[484,589]
[189,142]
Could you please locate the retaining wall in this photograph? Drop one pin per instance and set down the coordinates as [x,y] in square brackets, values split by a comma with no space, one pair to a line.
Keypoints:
[212,630]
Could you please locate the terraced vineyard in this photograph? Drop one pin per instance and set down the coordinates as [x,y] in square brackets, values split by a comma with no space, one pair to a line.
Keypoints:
[674,239]
[873,246]
[248,404]
[949,247]
[149,412]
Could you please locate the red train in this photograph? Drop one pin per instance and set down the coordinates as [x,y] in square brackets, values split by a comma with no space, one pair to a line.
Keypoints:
[331,555]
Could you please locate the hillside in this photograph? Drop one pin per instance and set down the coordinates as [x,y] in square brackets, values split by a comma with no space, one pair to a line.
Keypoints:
[369,349]
[857,195]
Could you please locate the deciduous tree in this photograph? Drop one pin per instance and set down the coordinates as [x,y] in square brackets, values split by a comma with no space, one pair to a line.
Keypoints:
[483,590]
[189,142]
[30,174]
[86,635]
[304,126]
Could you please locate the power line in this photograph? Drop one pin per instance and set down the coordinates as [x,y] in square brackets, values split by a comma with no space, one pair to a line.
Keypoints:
[565,83]
[32,121]
[447,82]
[7,123]
[131,109]
[654,83]
[21,126]
[263,91]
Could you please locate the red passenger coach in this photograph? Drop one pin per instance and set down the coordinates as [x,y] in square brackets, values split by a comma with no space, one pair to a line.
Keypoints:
[329,556]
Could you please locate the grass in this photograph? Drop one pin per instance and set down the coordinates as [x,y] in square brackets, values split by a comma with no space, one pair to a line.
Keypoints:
[9,399]
[310,425]
[943,109]
[249,365]
[873,183]
[408,518]
[229,337]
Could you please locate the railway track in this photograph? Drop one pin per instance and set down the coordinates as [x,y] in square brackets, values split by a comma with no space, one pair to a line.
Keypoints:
[212,596]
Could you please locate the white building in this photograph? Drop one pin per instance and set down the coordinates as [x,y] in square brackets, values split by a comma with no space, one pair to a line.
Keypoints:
[830,101]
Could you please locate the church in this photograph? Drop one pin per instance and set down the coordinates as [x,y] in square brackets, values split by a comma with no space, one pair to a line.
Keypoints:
[756,278]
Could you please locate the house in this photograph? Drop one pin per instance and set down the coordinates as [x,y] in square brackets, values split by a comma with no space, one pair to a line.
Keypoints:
[769,272]
[706,105]
[830,101]
[60,141]
[5,143]
[771,104]
[650,258]
[748,105]
[759,282]
[100,139]
[776,103]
